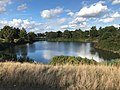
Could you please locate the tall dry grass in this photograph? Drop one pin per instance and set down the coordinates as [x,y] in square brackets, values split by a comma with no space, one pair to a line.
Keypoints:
[67,77]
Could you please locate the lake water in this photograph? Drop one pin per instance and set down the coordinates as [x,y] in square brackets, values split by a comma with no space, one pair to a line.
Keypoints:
[43,51]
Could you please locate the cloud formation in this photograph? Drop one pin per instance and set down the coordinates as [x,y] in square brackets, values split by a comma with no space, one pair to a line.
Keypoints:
[93,10]
[78,20]
[115,15]
[60,18]
[82,25]
[52,13]
[107,20]
[110,18]
[19,23]
[3,4]
[33,26]
[116,2]
[22,7]
[70,13]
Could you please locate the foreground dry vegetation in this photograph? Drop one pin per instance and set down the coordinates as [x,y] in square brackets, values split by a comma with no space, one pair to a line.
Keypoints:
[20,76]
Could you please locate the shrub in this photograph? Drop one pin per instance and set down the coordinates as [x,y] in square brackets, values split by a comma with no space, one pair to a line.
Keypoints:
[70,60]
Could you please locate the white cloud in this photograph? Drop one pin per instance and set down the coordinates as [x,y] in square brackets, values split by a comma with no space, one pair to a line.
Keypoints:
[52,13]
[34,26]
[70,13]
[110,17]
[65,27]
[115,15]
[57,22]
[61,21]
[48,27]
[116,25]
[3,4]
[19,23]
[82,26]
[78,20]
[116,2]
[2,9]
[93,10]
[107,20]
[22,7]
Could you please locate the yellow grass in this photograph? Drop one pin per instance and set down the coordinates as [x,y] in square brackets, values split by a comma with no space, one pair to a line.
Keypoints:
[67,77]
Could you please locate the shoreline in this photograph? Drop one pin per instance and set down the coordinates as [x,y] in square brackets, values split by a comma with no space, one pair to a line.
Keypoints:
[84,41]
[116,52]
[56,40]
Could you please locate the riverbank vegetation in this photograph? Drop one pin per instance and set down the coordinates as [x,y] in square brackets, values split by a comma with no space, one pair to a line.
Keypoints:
[107,38]
[72,60]
[21,76]
[59,60]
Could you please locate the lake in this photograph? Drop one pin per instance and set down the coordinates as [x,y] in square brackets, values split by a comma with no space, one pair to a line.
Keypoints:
[43,51]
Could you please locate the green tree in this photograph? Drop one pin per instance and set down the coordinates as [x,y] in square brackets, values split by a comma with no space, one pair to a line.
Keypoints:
[16,33]
[77,34]
[106,36]
[111,29]
[8,33]
[67,34]
[93,32]
[1,34]
[86,34]
[51,35]
[23,34]
[59,34]
[31,36]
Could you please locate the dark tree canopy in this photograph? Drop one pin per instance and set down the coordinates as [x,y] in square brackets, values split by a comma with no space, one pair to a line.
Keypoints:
[13,35]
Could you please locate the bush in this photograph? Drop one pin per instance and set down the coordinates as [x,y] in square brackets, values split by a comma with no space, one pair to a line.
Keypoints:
[70,60]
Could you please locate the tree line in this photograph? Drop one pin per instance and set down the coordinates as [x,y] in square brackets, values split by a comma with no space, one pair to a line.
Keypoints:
[107,38]
[16,35]
[93,33]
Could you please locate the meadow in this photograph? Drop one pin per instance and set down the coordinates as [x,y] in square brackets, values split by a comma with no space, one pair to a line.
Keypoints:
[21,76]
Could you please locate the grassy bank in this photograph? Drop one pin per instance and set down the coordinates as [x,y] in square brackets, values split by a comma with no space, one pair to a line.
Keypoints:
[66,77]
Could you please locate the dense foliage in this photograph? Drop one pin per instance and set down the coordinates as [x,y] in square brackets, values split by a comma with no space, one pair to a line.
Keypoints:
[71,60]
[15,35]
[61,60]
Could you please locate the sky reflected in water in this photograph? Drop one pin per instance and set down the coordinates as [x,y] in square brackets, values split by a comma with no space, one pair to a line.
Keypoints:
[43,51]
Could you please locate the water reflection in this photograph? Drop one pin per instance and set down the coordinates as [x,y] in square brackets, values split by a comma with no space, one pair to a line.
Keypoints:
[31,48]
[43,51]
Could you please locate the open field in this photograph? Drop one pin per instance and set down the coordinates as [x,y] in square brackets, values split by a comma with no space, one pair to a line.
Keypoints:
[20,76]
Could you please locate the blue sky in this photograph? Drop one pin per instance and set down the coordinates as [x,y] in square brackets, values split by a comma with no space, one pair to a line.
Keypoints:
[54,15]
